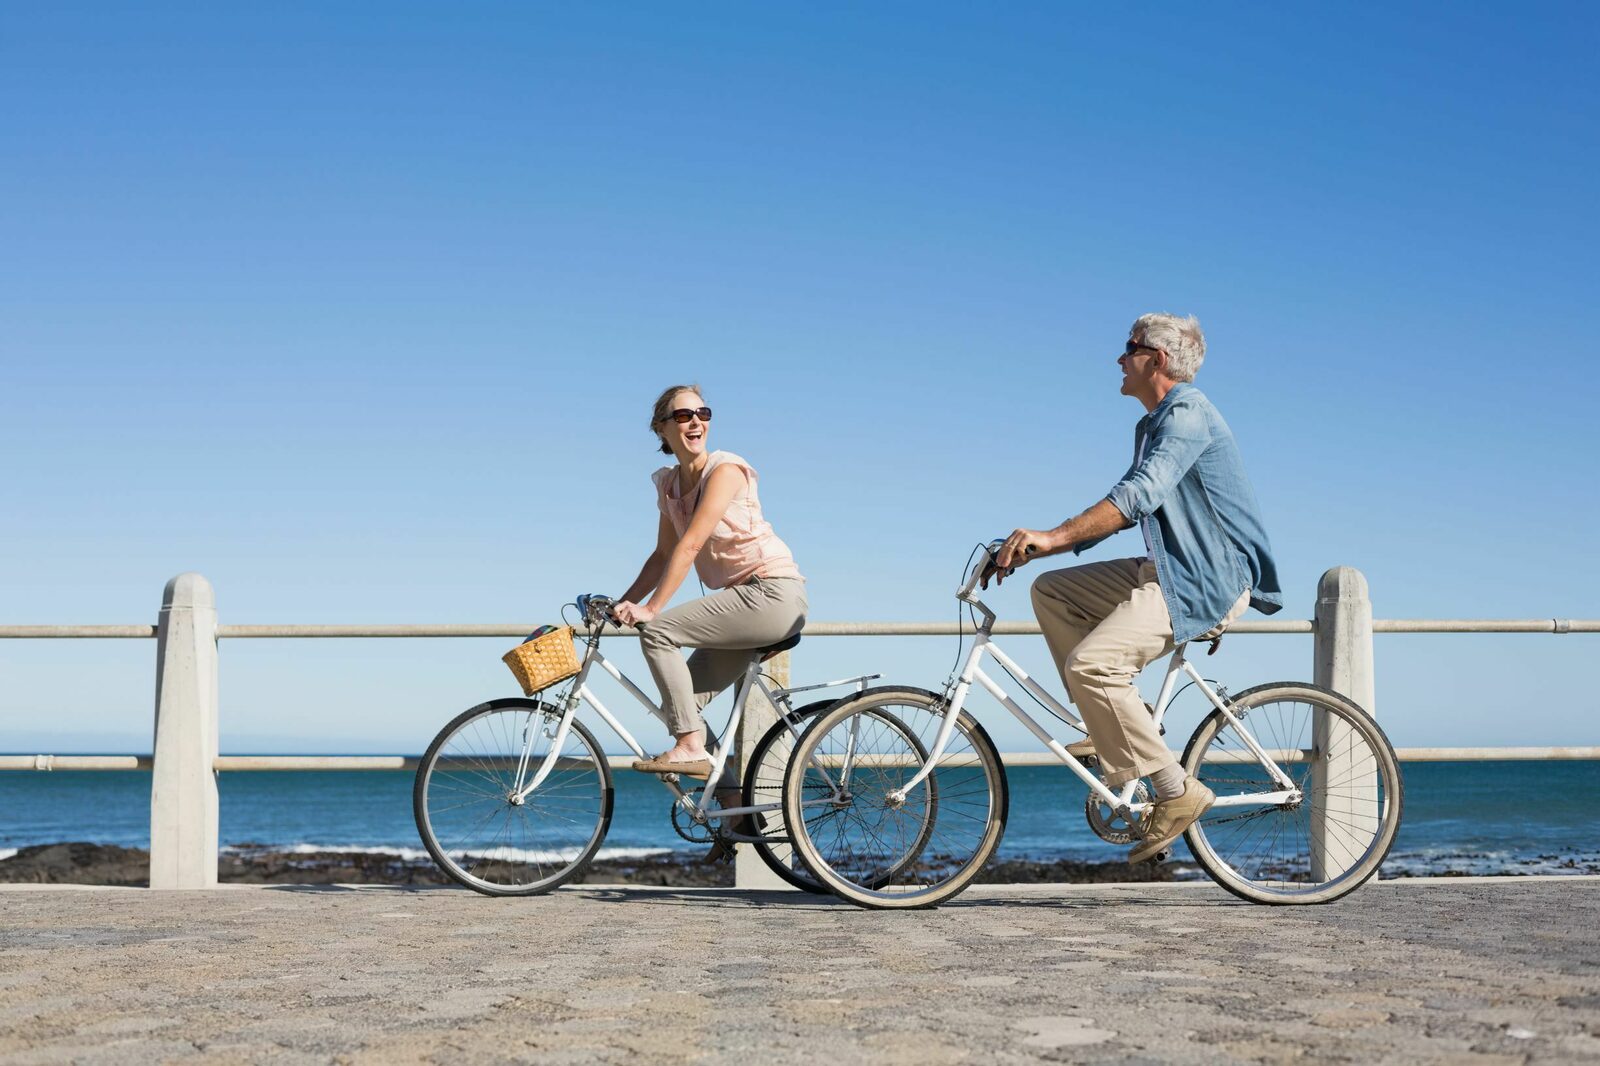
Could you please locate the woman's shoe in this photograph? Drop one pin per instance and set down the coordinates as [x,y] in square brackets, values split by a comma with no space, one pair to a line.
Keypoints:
[696,768]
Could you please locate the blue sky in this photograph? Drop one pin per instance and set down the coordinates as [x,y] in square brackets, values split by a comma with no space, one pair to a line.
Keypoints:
[359,311]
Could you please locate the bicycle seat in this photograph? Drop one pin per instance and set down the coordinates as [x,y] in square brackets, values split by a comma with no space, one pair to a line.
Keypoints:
[777,649]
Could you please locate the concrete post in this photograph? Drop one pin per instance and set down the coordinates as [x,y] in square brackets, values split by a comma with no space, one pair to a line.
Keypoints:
[1344,784]
[183,791]
[759,715]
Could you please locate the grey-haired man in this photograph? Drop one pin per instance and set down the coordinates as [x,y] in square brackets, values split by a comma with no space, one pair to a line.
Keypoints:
[1206,559]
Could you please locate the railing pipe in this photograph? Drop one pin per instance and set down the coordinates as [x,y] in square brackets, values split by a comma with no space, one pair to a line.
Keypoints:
[815,629]
[317,763]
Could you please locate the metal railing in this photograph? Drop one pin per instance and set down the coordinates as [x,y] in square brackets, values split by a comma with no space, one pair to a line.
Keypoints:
[813,629]
[317,763]
[186,759]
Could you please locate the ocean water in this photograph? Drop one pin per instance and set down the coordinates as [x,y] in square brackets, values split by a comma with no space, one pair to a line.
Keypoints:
[1480,817]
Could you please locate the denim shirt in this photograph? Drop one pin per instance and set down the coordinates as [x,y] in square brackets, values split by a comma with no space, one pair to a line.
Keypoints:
[1207,537]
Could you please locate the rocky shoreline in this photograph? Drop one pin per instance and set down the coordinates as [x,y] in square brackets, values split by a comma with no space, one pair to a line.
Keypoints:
[83,863]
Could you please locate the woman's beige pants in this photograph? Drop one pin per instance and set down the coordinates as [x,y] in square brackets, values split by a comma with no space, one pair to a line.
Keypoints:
[725,628]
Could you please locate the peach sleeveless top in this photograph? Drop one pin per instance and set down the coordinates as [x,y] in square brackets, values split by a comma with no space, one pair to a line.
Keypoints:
[743,545]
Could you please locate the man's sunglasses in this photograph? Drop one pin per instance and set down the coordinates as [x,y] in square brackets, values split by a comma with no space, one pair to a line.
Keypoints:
[683,414]
[1132,347]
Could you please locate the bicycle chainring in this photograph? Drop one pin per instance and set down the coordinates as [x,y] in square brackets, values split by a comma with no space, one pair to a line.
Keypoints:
[1110,828]
[689,829]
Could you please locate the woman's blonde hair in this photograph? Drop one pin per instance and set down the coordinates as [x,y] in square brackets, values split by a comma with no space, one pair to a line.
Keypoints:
[663,408]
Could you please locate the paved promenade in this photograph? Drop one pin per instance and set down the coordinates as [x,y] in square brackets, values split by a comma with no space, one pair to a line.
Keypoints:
[1469,971]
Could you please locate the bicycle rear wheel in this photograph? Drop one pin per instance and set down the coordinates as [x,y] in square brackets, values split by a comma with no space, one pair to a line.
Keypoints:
[763,784]
[468,813]
[1331,841]
[865,835]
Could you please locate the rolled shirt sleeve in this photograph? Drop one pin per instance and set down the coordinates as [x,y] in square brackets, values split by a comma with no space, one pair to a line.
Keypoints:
[1174,446]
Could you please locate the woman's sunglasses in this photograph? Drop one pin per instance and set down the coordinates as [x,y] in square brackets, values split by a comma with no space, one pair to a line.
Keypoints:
[683,414]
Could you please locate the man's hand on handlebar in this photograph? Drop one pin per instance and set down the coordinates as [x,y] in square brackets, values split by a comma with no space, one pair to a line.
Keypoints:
[632,614]
[1016,550]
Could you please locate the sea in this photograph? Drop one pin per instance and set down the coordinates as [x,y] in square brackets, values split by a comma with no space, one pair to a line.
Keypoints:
[1459,818]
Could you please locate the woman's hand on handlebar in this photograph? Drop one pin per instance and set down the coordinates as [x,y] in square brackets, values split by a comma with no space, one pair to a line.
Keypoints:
[632,614]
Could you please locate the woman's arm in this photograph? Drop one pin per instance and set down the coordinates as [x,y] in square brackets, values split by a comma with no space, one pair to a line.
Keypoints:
[721,486]
[650,575]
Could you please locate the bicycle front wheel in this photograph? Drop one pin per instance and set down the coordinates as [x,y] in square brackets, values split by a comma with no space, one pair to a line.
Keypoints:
[478,827]
[1315,849]
[862,828]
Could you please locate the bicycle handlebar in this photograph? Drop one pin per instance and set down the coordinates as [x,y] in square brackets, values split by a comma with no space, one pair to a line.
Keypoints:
[596,608]
[992,549]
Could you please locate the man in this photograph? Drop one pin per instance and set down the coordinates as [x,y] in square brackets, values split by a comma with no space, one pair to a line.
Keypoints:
[1206,559]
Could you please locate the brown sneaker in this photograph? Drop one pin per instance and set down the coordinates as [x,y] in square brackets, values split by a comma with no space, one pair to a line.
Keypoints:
[1170,817]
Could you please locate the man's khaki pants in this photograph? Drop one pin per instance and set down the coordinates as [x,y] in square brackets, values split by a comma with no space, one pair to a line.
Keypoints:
[1104,622]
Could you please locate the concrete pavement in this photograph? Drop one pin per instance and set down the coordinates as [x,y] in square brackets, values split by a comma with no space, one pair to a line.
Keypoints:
[1447,970]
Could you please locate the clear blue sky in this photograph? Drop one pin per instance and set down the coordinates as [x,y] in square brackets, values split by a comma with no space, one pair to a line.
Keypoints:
[359,310]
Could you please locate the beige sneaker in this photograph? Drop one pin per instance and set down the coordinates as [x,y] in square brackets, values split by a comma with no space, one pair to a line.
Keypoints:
[1170,817]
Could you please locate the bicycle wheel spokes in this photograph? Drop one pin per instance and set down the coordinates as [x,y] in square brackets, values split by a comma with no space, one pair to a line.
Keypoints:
[1310,850]
[475,824]
[865,830]
[763,787]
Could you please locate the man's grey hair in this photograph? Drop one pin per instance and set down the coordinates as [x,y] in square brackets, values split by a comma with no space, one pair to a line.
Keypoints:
[1179,337]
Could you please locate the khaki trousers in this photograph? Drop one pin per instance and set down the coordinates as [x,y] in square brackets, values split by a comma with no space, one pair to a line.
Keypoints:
[725,627]
[1104,622]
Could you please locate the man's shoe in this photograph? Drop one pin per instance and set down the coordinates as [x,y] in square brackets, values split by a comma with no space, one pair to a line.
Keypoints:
[1170,817]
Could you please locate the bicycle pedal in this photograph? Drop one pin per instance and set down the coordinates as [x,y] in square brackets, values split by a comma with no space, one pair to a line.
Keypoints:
[1164,855]
[1090,762]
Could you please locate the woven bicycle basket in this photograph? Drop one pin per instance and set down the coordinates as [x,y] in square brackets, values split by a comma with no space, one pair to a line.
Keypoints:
[548,656]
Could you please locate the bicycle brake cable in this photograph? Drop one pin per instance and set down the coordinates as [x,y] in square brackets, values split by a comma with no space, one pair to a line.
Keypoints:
[961,638]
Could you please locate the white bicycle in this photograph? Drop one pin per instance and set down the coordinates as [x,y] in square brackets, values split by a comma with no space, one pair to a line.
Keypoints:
[1308,792]
[514,796]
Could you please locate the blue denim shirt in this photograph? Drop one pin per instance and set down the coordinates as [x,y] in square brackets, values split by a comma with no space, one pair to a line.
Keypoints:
[1207,537]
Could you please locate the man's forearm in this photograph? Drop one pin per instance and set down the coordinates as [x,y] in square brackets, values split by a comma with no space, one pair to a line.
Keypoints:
[1101,520]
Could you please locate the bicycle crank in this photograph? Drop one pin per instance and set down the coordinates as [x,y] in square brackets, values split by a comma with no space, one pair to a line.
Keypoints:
[1111,827]
[689,829]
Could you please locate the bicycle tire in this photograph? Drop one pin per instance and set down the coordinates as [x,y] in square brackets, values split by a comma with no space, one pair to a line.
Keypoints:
[485,778]
[762,776]
[766,775]
[913,878]
[1345,823]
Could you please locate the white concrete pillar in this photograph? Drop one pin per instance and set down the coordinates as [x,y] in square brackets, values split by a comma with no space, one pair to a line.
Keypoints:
[1344,783]
[183,791]
[759,715]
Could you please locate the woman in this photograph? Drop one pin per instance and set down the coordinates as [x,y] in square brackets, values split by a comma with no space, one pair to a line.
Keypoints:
[710,519]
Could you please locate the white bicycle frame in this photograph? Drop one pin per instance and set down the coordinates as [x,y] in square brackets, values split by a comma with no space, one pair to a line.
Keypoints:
[580,693]
[1123,802]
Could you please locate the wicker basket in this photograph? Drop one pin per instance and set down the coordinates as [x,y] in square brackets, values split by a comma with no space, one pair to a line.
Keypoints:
[544,658]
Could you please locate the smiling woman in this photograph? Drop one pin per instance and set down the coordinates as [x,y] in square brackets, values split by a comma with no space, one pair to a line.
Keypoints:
[710,519]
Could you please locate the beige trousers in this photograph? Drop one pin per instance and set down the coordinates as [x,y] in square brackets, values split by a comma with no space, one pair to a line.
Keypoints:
[1104,622]
[725,628]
